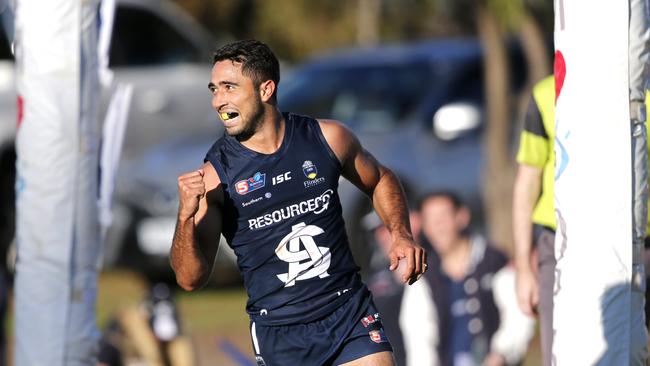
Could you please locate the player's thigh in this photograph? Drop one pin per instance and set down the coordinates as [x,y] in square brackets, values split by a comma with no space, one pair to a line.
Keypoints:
[376,359]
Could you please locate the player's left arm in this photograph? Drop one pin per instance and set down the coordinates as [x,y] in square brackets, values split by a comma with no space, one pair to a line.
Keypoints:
[386,193]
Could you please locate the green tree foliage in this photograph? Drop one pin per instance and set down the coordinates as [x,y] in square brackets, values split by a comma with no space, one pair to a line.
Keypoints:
[300,28]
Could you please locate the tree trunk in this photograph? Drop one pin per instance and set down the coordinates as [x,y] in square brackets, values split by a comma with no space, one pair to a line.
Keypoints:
[498,171]
[537,61]
[535,50]
[368,22]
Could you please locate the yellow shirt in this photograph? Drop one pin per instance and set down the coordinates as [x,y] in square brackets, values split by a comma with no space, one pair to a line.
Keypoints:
[536,147]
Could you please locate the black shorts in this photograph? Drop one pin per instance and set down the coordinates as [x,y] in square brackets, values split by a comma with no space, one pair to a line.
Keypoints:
[352,331]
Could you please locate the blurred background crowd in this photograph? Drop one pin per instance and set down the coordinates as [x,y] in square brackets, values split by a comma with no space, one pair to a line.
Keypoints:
[435,89]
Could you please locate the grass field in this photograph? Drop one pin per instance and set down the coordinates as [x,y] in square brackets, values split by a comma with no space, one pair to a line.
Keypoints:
[214,320]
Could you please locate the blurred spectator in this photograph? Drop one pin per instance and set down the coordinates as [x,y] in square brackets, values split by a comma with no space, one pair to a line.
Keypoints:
[148,333]
[465,311]
[386,286]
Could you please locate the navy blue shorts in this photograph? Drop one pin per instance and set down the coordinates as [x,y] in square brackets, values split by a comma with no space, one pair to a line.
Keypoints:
[352,331]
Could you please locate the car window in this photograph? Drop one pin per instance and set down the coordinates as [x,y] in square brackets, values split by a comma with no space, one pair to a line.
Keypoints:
[141,38]
[369,98]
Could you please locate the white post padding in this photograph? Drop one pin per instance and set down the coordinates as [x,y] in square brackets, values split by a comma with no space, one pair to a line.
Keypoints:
[57,157]
[598,303]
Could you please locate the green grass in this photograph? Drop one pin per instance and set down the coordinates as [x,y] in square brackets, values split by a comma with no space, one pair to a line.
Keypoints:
[211,310]
[208,316]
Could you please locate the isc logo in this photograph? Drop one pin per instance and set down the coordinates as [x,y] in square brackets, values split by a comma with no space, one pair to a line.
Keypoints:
[281,178]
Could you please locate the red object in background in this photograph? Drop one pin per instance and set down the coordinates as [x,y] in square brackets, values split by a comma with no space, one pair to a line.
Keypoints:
[559,69]
[21,105]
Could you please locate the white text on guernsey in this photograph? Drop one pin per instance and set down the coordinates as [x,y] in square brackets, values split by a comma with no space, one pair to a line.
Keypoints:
[316,205]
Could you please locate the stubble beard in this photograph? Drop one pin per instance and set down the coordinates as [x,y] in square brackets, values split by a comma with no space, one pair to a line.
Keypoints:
[251,125]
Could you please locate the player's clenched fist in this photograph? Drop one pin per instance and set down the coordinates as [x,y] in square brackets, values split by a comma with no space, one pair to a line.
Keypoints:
[191,189]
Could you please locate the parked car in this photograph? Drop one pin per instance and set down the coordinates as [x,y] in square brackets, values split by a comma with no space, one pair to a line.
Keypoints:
[418,108]
[165,55]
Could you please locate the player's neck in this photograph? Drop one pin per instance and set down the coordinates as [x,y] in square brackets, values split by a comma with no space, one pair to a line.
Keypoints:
[269,136]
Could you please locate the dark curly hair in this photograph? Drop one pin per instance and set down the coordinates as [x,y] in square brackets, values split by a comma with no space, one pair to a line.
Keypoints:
[258,61]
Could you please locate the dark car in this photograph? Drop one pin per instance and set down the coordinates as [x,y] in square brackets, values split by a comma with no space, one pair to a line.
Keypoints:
[418,108]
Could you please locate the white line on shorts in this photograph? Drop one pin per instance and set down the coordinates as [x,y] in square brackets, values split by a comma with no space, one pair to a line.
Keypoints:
[254,336]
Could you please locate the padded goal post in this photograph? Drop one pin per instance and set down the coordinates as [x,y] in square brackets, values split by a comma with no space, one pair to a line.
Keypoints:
[600,182]
[57,148]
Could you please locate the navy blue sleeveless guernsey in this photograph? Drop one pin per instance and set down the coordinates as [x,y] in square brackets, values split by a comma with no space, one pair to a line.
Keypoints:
[282,217]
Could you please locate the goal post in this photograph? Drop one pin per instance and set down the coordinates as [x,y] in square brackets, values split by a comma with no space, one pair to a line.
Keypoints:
[600,182]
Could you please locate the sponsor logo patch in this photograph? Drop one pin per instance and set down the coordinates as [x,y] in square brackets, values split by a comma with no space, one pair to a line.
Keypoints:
[254,200]
[313,182]
[312,174]
[309,169]
[317,205]
[378,336]
[251,184]
[370,319]
[366,321]
[284,177]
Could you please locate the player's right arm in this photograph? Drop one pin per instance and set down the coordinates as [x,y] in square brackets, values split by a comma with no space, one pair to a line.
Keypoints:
[198,227]
[526,192]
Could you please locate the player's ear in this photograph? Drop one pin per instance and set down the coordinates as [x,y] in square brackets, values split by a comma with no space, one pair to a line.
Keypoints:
[267,89]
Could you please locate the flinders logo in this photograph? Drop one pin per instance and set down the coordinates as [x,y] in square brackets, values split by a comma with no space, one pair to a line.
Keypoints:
[311,172]
[309,169]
